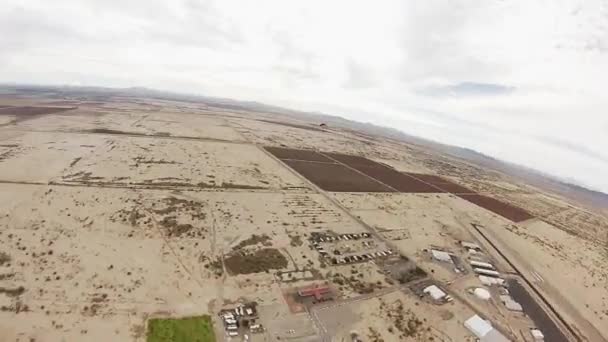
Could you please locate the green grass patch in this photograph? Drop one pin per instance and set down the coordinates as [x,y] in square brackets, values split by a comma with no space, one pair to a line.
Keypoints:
[189,329]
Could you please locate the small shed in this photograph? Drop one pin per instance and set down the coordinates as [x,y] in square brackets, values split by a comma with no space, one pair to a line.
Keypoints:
[511,304]
[482,293]
[435,292]
[470,245]
[441,256]
[489,281]
[537,335]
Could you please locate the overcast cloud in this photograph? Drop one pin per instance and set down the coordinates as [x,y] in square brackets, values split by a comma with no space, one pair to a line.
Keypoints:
[524,81]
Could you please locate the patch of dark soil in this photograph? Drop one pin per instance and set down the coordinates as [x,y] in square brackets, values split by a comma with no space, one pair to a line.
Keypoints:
[254,240]
[28,112]
[295,240]
[13,292]
[7,276]
[355,283]
[142,160]
[216,267]
[76,160]
[336,177]
[262,260]
[503,209]
[239,186]
[4,258]
[173,228]
[81,176]
[106,131]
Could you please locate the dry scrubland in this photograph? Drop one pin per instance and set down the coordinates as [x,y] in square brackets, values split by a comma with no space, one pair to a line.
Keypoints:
[113,212]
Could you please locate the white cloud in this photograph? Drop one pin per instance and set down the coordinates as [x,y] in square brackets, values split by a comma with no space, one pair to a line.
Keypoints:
[520,80]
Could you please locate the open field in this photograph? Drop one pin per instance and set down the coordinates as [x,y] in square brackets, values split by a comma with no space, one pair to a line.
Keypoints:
[123,216]
[503,209]
[192,329]
[398,317]
[336,177]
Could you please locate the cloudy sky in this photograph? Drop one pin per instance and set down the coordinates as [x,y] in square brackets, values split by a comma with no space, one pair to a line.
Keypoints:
[525,81]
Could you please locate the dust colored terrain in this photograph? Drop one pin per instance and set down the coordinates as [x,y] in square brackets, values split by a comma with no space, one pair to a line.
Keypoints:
[132,218]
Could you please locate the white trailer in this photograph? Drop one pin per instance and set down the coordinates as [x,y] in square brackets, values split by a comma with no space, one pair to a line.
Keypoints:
[481,264]
[489,273]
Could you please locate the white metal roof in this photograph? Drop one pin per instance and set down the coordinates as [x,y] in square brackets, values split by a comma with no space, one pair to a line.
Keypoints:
[435,292]
[511,304]
[441,255]
[481,264]
[494,336]
[489,281]
[483,330]
[478,326]
[486,272]
[482,293]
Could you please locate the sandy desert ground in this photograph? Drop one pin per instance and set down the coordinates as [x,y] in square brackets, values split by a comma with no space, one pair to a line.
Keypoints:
[116,211]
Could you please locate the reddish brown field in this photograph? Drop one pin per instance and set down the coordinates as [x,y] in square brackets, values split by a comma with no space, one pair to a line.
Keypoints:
[443,184]
[395,179]
[351,160]
[336,177]
[289,153]
[505,210]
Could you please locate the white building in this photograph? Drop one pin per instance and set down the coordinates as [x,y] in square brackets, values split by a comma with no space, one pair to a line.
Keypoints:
[435,292]
[489,281]
[483,330]
[441,256]
[485,272]
[481,264]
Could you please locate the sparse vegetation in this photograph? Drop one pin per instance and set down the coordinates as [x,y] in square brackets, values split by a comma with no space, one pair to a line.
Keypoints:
[4,258]
[13,292]
[295,240]
[262,260]
[255,239]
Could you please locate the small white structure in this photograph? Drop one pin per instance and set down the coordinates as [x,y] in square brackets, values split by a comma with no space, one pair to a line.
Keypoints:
[485,272]
[537,335]
[482,293]
[481,264]
[435,292]
[489,281]
[470,245]
[511,304]
[441,256]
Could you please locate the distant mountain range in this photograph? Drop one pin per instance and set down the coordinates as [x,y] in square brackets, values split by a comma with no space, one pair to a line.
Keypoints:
[533,177]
